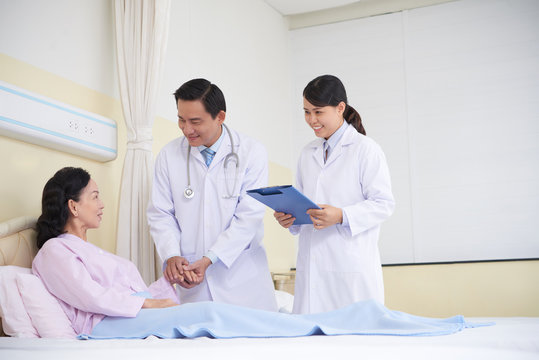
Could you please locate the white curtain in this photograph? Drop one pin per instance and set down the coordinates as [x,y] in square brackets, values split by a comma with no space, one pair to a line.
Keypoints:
[141,40]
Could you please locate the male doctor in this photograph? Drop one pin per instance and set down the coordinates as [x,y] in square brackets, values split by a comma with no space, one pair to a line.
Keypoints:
[206,229]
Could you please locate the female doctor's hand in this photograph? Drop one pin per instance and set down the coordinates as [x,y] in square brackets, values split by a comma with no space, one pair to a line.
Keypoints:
[326,216]
[285,220]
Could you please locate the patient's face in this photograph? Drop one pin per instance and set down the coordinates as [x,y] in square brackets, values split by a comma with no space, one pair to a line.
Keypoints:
[89,208]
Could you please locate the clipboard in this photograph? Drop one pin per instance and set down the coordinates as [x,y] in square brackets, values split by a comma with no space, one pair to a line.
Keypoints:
[287,199]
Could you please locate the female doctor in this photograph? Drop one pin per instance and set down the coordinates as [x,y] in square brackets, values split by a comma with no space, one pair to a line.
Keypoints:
[346,174]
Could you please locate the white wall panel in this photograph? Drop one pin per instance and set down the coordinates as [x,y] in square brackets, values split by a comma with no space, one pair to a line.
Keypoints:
[471,69]
[451,93]
[367,55]
[68,38]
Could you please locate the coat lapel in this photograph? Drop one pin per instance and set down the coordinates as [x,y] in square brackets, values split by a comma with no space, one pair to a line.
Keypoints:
[195,154]
[347,138]
[318,149]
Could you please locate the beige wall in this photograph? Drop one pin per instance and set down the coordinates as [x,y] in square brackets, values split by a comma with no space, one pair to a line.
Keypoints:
[26,167]
[280,245]
[505,288]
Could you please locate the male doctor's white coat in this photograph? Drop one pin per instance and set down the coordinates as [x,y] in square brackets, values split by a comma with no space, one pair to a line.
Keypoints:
[339,265]
[226,221]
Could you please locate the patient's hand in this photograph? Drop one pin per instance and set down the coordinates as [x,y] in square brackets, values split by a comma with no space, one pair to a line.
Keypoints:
[175,273]
[190,279]
[285,220]
[158,303]
[198,269]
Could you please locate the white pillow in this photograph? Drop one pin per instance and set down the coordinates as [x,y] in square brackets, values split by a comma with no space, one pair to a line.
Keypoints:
[285,301]
[46,313]
[15,319]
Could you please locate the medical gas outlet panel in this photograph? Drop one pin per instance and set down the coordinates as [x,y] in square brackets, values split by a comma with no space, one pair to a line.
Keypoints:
[47,122]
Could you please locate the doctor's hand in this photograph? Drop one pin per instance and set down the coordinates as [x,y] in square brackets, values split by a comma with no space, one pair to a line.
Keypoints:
[326,216]
[198,269]
[285,220]
[190,279]
[174,272]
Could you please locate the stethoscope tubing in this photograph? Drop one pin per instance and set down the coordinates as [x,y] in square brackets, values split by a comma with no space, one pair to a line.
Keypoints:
[231,156]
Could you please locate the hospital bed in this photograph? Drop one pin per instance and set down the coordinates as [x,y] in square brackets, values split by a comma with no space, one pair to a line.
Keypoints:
[510,338]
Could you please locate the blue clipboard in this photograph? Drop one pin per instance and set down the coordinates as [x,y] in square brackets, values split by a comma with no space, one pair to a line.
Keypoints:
[287,199]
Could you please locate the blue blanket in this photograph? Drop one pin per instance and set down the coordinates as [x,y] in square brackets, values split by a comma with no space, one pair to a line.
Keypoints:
[217,320]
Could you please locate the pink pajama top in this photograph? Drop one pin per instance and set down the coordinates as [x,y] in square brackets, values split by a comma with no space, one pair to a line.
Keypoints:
[89,283]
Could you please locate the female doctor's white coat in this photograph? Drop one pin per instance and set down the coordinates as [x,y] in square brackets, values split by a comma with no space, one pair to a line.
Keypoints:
[339,265]
[230,226]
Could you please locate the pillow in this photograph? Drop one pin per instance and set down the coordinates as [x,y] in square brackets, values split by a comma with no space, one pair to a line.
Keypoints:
[285,301]
[15,319]
[44,310]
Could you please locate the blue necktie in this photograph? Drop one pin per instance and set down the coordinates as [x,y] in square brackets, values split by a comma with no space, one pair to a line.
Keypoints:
[326,151]
[208,155]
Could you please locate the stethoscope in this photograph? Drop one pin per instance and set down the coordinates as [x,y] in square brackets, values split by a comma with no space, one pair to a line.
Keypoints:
[232,156]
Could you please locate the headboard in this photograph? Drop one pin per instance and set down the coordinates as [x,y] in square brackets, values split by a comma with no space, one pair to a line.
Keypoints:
[18,241]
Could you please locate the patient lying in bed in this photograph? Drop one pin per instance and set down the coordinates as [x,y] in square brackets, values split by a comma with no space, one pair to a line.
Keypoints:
[104,296]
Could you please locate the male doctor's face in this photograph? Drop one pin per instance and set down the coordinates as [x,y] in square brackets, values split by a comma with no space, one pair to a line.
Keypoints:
[197,124]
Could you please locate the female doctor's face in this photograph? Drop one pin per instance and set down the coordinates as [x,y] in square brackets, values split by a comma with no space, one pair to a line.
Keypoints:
[197,124]
[323,120]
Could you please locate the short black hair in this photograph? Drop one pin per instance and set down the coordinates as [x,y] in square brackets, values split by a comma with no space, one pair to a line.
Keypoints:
[201,89]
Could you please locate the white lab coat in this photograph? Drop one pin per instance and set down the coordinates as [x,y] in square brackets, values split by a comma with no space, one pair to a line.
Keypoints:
[339,265]
[231,228]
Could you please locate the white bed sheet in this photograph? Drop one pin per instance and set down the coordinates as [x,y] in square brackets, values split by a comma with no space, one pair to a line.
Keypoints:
[510,338]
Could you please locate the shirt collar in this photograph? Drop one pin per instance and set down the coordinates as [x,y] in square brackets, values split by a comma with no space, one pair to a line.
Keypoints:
[217,144]
[337,135]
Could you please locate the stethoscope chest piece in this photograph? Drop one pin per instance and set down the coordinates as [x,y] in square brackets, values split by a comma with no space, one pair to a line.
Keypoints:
[188,193]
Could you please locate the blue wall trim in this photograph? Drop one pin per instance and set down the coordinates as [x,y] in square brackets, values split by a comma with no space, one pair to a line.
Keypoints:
[30,97]
[57,134]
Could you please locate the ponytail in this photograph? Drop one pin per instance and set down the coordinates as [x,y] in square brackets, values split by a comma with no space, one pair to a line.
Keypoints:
[352,117]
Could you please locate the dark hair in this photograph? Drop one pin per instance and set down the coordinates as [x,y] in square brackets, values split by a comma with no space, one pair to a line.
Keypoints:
[201,89]
[328,90]
[66,184]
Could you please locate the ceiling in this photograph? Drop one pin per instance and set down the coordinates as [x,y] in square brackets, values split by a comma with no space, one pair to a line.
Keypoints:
[304,13]
[293,7]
